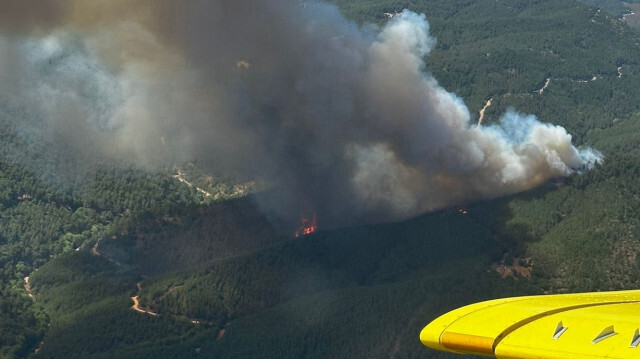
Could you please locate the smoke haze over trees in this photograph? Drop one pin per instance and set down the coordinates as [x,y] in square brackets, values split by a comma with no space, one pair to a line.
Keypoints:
[88,88]
[341,117]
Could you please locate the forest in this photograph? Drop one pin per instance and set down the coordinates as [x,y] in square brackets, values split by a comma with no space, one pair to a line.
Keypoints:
[614,7]
[216,278]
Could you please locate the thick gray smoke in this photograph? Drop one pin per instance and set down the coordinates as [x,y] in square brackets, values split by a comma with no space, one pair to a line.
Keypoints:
[341,118]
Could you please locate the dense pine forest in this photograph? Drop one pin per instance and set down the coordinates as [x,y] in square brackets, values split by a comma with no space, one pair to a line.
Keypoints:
[116,261]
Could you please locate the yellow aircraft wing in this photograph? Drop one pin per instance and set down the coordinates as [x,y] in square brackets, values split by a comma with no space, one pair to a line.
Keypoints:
[585,325]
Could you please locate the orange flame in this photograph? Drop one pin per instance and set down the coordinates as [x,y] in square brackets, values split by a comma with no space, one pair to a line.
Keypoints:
[307,226]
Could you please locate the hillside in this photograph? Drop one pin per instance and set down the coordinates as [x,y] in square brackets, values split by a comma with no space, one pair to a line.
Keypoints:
[219,278]
[616,8]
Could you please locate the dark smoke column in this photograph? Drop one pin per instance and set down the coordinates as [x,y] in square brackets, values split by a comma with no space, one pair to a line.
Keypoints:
[341,119]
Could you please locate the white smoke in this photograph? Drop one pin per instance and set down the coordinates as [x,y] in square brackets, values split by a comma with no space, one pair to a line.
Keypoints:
[431,155]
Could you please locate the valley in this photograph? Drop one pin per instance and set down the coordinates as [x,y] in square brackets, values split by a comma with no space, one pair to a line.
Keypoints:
[171,262]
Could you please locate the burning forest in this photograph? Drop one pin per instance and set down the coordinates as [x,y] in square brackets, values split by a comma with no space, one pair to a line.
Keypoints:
[307,226]
[339,116]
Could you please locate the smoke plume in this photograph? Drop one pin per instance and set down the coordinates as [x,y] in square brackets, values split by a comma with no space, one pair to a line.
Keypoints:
[342,118]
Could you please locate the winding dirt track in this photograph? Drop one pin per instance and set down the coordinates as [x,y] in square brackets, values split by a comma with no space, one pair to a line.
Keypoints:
[546,84]
[144,310]
[27,287]
[483,110]
[542,89]
[181,178]
[136,303]
[135,299]
[136,306]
